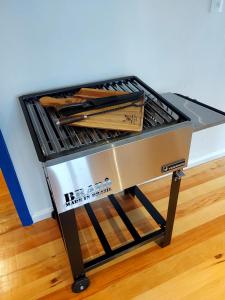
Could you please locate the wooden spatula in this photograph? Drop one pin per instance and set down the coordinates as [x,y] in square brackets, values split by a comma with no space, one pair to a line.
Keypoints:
[79,97]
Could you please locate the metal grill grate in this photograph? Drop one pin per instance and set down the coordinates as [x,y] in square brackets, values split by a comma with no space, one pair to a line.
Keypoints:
[55,139]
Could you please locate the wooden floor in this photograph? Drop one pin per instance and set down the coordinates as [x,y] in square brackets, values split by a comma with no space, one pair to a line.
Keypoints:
[34,265]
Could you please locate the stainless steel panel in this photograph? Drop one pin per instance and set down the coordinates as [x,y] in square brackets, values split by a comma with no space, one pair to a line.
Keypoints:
[201,117]
[92,177]
[117,142]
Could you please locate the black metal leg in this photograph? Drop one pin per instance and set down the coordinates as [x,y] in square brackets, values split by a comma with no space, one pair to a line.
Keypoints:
[174,192]
[130,190]
[55,214]
[71,239]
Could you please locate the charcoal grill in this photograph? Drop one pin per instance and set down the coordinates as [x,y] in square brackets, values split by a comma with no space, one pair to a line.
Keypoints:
[83,165]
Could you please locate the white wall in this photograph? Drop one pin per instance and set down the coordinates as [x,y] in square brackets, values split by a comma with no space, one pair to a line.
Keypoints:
[173,45]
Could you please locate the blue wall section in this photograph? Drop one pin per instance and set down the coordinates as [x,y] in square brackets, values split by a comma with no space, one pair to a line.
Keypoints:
[13,184]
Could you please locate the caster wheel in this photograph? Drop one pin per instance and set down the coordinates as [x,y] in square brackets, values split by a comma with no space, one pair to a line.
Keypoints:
[80,285]
[53,214]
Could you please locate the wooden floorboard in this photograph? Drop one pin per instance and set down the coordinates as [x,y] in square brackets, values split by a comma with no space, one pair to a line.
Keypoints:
[34,265]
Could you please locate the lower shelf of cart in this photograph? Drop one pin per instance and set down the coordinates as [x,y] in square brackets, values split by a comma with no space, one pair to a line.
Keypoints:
[116,225]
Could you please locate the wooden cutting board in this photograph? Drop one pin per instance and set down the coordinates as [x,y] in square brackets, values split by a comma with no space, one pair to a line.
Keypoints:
[126,119]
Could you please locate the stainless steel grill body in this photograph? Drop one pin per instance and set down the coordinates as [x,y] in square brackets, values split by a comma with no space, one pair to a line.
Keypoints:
[77,161]
[82,180]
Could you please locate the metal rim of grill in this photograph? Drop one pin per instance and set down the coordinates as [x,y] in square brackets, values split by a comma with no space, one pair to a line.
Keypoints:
[52,141]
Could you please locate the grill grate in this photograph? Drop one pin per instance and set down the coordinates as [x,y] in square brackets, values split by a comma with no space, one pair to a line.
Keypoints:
[56,140]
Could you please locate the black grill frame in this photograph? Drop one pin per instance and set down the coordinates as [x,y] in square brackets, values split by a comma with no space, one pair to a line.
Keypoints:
[56,92]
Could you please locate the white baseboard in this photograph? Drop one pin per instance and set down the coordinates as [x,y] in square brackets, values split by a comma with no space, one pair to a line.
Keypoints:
[46,213]
[206,158]
[42,214]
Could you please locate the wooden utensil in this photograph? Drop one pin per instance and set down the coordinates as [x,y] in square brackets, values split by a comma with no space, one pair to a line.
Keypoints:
[98,103]
[79,97]
[126,119]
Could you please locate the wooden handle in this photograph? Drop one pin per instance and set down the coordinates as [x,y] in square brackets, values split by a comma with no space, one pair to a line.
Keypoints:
[56,102]
[81,96]
[97,93]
